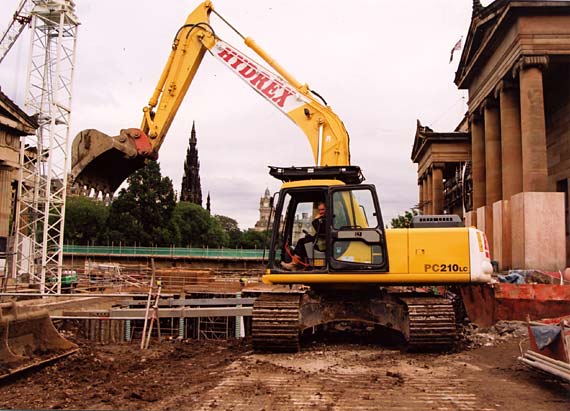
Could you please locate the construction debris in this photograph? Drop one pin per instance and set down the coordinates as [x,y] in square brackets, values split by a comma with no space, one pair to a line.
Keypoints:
[488,304]
[474,337]
[549,347]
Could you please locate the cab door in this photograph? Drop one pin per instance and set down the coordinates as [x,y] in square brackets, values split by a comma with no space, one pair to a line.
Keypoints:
[357,238]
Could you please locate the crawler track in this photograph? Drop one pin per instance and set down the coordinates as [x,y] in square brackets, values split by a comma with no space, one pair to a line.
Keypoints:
[432,325]
[275,323]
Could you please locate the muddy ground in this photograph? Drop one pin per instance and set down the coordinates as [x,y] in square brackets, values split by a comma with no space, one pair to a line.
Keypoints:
[227,375]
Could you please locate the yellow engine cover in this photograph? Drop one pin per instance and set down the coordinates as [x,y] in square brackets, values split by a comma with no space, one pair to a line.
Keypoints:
[416,256]
[438,251]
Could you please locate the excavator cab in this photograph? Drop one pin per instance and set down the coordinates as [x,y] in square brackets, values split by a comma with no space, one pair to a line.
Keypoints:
[353,238]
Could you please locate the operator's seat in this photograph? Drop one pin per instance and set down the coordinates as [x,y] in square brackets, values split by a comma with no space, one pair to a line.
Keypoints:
[316,253]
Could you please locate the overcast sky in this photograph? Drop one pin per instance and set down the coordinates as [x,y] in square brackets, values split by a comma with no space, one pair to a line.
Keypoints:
[380,64]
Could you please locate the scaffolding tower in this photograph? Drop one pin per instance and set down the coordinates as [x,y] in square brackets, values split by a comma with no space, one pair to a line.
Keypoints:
[41,194]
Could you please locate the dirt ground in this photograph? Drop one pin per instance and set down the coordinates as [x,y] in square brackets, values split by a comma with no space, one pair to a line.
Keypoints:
[227,375]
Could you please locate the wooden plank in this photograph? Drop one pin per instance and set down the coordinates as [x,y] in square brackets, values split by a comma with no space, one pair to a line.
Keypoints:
[139,313]
[197,301]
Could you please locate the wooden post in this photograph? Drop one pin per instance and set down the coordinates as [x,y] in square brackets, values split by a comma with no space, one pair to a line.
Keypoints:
[152,318]
[148,303]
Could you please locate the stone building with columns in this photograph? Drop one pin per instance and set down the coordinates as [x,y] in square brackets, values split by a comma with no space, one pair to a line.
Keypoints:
[441,159]
[14,123]
[516,67]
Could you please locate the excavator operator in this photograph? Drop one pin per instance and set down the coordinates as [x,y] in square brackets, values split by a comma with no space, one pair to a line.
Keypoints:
[299,258]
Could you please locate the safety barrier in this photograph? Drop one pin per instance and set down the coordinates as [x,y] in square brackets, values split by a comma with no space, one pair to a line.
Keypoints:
[166,251]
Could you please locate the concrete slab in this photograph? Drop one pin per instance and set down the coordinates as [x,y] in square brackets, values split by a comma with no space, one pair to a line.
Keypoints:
[538,237]
[485,224]
[502,234]
[471,219]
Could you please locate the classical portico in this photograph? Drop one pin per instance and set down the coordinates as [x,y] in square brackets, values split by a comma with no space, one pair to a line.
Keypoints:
[441,158]
[516,67]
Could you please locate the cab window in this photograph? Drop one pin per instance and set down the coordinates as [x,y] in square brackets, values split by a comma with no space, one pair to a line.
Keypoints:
[358,240]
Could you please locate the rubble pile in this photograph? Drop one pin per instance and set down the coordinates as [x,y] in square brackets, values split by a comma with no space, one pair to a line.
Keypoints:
[473,337]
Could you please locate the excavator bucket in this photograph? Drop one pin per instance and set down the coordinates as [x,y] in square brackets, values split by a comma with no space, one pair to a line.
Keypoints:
[28,339]
[103,162]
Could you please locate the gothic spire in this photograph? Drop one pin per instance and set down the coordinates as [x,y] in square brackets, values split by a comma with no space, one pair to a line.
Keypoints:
[191,187]
[193,134]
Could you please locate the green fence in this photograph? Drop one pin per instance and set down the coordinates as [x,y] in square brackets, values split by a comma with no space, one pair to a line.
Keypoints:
[166,251]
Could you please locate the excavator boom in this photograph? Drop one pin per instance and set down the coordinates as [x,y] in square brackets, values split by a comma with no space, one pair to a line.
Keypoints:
[103,162]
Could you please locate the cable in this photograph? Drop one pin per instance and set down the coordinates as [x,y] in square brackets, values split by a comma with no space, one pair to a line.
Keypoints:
[319,96]
[192,27]
[447,111]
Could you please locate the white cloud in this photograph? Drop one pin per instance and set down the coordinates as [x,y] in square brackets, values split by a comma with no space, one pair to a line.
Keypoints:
[379,64]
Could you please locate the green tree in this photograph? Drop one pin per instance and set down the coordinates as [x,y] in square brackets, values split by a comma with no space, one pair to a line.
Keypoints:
[197,228]
[404,221]
[254,239]
[142,213]
[84,218]
[231,228]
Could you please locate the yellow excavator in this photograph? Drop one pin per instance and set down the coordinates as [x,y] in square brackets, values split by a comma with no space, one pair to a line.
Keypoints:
[354,270]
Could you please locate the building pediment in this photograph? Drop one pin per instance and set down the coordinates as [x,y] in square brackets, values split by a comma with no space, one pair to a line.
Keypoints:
[426,137]
[489,24]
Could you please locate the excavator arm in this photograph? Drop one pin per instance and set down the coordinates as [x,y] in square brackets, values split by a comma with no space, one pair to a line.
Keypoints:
[103,162]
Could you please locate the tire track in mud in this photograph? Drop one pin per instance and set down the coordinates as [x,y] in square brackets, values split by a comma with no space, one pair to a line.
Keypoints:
[340,380]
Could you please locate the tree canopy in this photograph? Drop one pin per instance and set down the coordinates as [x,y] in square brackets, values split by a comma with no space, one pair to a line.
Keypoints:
[84,218]
[142,212]
[197,228]
[404,220]
[254,239]
[146,213]
[231,228]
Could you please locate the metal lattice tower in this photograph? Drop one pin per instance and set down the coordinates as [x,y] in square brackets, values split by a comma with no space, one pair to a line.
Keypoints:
[40,208]
[19,20]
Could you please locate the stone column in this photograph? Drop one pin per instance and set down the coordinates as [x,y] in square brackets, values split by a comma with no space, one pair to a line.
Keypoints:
[511,152]
[5,207]
[421,195]
[478,160]
[533,128]
[429,199]
[511,155]
[493,173]
[537,216]
[437,188]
